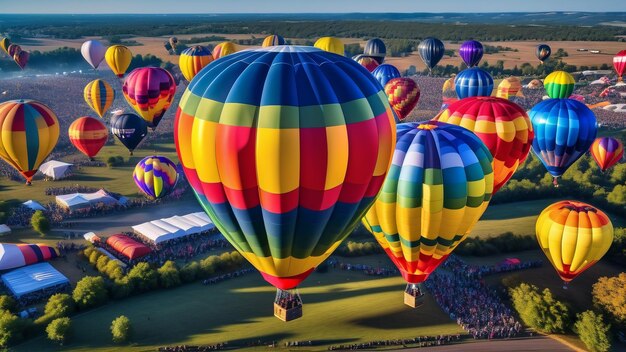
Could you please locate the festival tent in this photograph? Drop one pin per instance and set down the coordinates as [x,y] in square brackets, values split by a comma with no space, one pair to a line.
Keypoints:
[128,247]
[201,219]
[74,201]
[91,237]
[158,231]
[56,170]
[17,255]
[33,278]
[33,205]
[4,229]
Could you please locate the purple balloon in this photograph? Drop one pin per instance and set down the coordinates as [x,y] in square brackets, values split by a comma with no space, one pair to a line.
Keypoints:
[471,52]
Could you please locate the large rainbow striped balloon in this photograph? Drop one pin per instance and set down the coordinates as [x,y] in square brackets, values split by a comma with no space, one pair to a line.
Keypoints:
[88,135]
[559,84]
[193,59]
[29,131]
[286,148]
[574,236]
[99,95]
[439,185]
[150,91]
[156,176]
[607,151]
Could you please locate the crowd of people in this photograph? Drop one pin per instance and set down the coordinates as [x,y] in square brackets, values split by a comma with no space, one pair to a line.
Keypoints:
[366,269]
[43,294]
[191,348]
[288,300]
[219,278]
[417,342]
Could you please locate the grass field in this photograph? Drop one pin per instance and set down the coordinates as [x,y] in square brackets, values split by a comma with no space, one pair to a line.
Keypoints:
[340,307]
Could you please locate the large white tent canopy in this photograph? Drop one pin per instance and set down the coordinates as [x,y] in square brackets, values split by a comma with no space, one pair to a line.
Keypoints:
[56,170]
[75,201]
[166,229]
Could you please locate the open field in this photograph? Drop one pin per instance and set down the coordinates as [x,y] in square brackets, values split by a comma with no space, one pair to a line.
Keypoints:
[340,307]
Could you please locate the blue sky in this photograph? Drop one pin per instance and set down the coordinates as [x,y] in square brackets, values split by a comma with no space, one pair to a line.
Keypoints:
[299,6]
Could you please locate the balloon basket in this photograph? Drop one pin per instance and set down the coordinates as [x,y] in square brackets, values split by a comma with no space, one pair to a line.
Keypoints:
[287,305]
[413,296]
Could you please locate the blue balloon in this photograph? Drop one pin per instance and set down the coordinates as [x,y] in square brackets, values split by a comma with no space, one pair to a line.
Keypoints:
[564,131]
[431,51]
[473,82]
[130,129]
[385,73]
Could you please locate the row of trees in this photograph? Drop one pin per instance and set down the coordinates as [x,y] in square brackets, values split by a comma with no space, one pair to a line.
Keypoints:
[503,243]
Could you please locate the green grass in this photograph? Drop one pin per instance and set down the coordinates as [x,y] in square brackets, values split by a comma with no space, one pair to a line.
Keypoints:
[339,307]
[117,179]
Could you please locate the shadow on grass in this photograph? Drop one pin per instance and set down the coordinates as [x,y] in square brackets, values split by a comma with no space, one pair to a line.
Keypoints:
[90,178]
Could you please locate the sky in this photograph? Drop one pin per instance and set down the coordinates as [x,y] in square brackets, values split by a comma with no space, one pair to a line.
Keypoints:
[304,6]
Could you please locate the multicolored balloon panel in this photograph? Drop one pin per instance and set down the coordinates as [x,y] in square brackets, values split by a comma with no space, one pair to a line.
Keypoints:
[224,49]
[509,87]
[573,236]
[194,59]
[286,148]
[473,82]
[559,85]
[156,176]
[403,94]
[439,185]
[501,125]
[88,135]
[150,91]
[607,151]
[369,63]
[99,95]
[29,131]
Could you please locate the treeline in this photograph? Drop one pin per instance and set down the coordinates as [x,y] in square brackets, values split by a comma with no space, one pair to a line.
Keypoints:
[314,29]
[504,243]
[357,249]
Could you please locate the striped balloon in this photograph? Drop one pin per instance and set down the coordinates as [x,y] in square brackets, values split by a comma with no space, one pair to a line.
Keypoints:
[29,131]
[502,125]
[564,131]
[607,151]
[286,148]
[574,236]
[619,63]
[17,255]
[471,52]
[385,73]
[156,176]
[21,58]
[194,59]
[150,91]
[14,49]
[439,185]
[509,87]
[273,40]
[376,49]
[99,95]
[403,94]
[473,82]
[369,63]
[88,135]
[223,49]
[559,85]
[431,50]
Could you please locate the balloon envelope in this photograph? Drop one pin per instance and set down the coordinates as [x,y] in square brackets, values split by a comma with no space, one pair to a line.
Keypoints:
[403,94]
[194,59]
[559,84]
[431,51]
[369,63]
[543,52]
[223,49]
[385,72]
[118,57]
[93,51]
[156,176]
[619,63]
[607,151]
[471,52]
[509,87]
[4,44]
[150,91]
[376,49]
[99,95]
[88,135]
[129,129]
[21,58]
[330,44]
[473,82]
[273,40]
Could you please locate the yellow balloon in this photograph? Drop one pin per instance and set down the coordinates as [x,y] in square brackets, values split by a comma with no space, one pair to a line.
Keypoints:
[330,44]
[118,58]
[99,95]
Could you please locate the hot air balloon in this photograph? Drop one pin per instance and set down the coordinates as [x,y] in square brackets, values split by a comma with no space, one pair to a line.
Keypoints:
[403,94]
[21,58]
[174,43]
[297,162]
[129,129]
[607,151]
[156,176]
[14,49]
[273,40]
[619,63]
[439,185]
[29,131]
[471,52]
[431,51]
[564,131]
[149,90]
[385,72]
[559,84]
[21,254]
[99,96]
[509,87]
[473,82]
[223,49]
[118,58]
[369,63]
[168,47]
[93,51]
[543,52]
[193,59]
[573,236]
[502,125]
[4,44]
[448,92]
[330,44]
[88,135]
[376,49]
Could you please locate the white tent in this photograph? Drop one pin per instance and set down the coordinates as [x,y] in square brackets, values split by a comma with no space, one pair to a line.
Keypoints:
[56,170]
[4,229]
[91,237]
[75,201]
[166,229]
[34,205]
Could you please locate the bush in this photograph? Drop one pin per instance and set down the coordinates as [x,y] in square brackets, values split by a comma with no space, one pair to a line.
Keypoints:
[353,249]
[169,275]
[540,310]
[143,278]
[121,329]
[10,328]
[189,272]
[114,161]
[593,331]
[101,263]
[90,291]
[8,303]
[122,288]
[58,306]
[40,222]
[504,243]
[59,330]
[609,293]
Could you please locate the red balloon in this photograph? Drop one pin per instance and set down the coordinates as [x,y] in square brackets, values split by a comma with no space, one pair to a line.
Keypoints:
[88,135]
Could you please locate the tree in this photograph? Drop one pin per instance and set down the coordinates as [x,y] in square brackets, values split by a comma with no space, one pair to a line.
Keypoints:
[58,306]
[40,222]
[593,331]
[169,275]
[121,329]
[90,291]
[8,303]
[609,293]
[10,328]
[189,272]
[59,330]
[540,310]
[142,277]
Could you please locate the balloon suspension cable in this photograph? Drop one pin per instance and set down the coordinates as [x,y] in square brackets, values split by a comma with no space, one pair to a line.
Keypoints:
[555,182]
